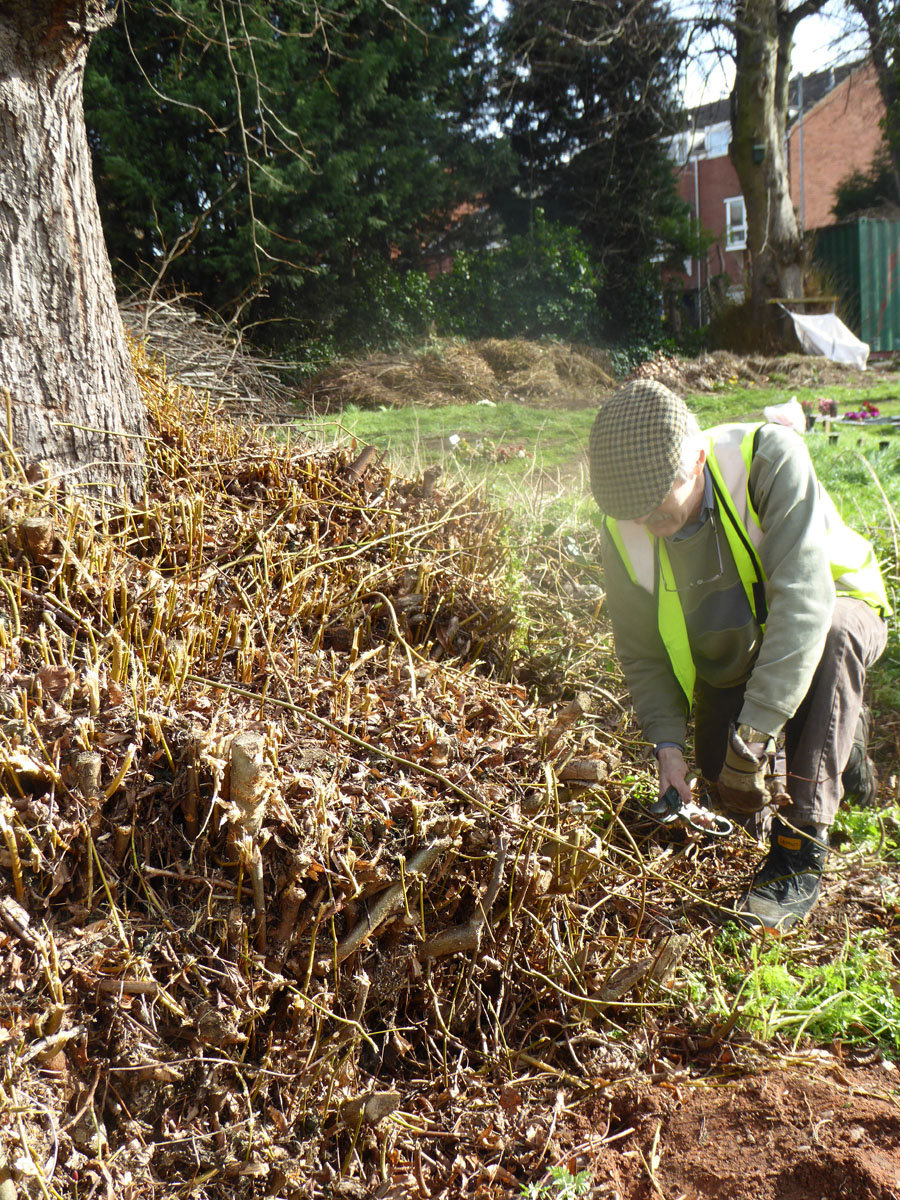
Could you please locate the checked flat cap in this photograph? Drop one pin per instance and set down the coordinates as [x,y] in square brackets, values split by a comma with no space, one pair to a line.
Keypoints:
[635,448]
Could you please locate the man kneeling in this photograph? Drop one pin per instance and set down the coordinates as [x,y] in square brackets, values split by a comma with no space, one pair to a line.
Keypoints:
[732,581]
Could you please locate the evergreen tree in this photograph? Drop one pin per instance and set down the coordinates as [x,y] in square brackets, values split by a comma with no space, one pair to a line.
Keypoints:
[263,152]
[588,90]
[861,192]
[882,22]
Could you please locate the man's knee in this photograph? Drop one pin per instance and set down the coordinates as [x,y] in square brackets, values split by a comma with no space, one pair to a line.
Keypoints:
[857,634]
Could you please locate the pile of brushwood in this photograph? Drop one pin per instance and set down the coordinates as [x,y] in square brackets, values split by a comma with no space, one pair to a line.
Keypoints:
[303,893]
[448,371]
[213,358]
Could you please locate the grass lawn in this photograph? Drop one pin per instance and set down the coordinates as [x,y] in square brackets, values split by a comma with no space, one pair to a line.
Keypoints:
[507,446]
[531,457]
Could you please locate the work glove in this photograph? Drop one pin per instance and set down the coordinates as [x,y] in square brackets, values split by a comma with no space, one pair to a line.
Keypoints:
[747,782]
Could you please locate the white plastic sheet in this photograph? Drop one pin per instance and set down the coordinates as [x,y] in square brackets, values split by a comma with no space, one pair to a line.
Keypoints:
[828,335]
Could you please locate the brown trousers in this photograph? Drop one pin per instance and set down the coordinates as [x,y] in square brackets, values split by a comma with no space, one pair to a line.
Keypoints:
[819,736]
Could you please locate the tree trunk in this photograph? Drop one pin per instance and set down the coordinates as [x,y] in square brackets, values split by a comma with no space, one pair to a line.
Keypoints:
[759,110]
[76,408]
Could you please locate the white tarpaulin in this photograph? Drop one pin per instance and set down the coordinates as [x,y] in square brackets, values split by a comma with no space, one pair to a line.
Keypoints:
[827,334]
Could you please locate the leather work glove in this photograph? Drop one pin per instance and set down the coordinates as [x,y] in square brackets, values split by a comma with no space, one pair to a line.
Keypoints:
[746,783]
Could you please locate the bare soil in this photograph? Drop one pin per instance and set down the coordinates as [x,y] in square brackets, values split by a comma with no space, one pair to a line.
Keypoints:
[819,1133]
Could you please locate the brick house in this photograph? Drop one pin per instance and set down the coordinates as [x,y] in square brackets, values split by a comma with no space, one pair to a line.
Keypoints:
[708,183]
[830,138]
[835,129]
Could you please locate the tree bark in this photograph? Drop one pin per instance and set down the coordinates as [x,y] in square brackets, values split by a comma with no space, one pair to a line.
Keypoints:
[759,110]
[77,411]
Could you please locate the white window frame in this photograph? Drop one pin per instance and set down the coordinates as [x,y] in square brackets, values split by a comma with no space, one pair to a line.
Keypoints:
[735,233]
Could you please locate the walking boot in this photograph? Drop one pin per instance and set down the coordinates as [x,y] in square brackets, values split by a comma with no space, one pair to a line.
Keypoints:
[786,886]
[858,777]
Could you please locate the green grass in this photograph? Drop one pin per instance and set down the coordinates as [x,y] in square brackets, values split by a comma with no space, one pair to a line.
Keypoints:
[774,989]
[503,444]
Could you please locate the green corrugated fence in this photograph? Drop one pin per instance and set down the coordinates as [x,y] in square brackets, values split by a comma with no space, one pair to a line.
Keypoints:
[863,258]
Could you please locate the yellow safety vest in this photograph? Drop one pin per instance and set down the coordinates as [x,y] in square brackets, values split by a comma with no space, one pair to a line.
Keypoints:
[854,567]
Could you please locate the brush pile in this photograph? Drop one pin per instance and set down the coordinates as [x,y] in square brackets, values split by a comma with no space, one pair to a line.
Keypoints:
[212,358]
[302,893]
[452,372]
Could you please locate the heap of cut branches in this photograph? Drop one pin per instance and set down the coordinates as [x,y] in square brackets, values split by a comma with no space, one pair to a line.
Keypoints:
[212,359]
[304,894]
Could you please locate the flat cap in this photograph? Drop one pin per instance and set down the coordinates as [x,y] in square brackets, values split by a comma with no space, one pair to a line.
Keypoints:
[635,448]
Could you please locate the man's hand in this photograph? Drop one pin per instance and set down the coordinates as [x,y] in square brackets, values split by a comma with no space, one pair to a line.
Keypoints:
[742,780]
[673,772]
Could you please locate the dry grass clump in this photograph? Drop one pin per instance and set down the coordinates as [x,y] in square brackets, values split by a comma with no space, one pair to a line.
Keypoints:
[449,372]
[549,372]
[453,373]
[584,366]
[298,898]
[510,356]
[374,382]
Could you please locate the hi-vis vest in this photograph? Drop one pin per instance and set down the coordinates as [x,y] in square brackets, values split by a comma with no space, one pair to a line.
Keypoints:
[854,568]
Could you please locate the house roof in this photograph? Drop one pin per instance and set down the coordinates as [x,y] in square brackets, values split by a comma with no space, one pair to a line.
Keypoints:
[712,113]
[818,85]
[815,87]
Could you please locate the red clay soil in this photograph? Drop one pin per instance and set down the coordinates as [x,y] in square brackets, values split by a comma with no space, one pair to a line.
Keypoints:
[781,1135]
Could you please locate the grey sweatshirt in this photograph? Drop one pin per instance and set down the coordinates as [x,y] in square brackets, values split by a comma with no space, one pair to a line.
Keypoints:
[727,644]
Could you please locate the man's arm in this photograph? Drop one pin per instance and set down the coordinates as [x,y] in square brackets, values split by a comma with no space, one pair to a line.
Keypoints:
[658,700]
[799,588]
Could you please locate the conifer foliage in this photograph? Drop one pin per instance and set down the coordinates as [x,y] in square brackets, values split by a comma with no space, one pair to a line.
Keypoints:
[303,168]
[589,91]
[246,150]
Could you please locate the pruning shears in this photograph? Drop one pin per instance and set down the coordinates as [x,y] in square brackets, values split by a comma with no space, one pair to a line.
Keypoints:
[670,809]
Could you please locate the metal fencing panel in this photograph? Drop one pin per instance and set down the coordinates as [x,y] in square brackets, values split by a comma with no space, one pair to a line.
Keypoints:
[862,261]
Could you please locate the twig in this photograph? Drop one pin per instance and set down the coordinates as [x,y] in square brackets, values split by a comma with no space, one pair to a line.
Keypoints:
[468,936]
[390,901]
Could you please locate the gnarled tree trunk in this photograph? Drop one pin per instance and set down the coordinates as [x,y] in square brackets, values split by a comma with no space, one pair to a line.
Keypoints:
[759,110]
[76,406]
